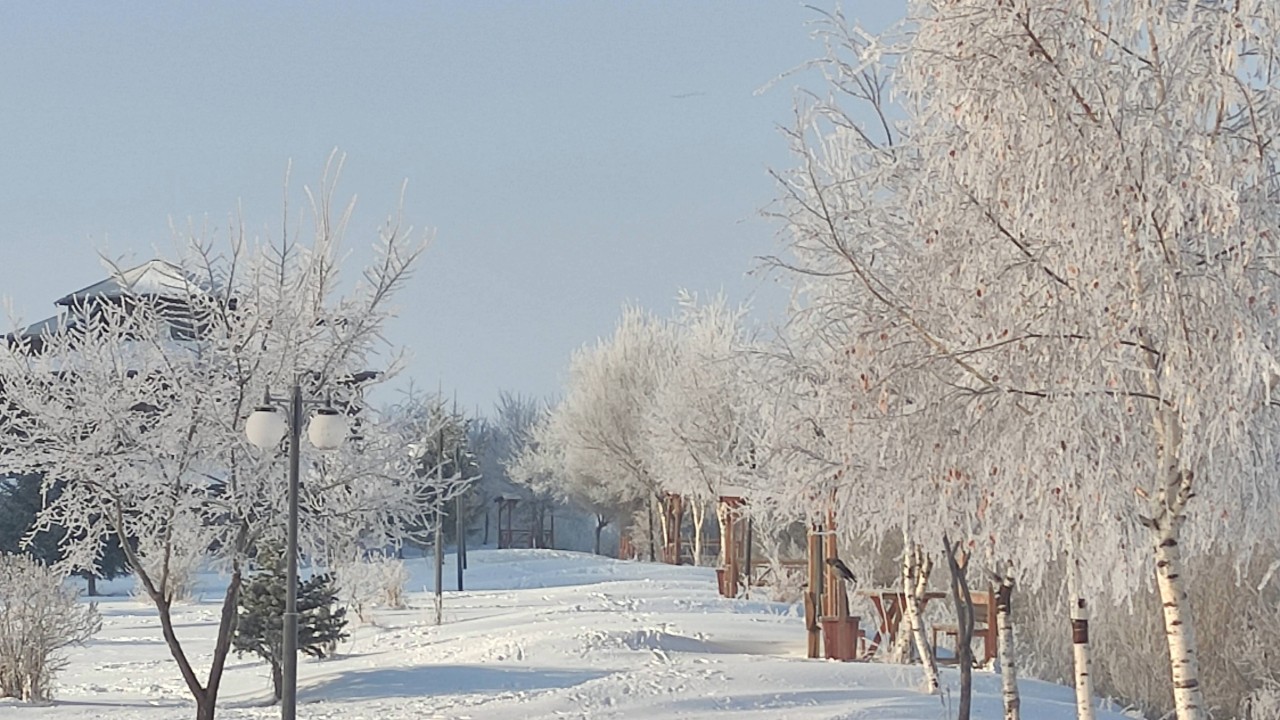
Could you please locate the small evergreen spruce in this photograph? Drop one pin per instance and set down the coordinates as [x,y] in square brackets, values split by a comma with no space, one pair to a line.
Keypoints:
[259,626]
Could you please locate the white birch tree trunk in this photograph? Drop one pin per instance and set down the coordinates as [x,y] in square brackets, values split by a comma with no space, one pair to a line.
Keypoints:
[900,652]
[915,579]
[1166,526]
[658,536]
[1004,649]
[1188,698]
[699,512]
[1082,656]
[1081,651]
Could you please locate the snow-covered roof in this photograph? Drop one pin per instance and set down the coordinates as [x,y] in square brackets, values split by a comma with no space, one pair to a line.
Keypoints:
[48,326]
[155,278]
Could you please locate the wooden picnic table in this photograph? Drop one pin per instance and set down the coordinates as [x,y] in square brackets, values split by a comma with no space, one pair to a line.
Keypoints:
[889,604]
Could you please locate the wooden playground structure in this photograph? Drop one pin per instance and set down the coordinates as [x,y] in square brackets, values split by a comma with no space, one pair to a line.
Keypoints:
[536,529]
[832,631]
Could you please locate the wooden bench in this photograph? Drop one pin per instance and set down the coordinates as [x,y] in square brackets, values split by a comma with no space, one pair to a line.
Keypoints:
[984,626]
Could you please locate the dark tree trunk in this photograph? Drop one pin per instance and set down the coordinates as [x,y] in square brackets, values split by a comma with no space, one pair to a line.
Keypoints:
[601,523]
[277,679]
[206,695]
[963,602]
[205,707]
[92,580]
[226,631]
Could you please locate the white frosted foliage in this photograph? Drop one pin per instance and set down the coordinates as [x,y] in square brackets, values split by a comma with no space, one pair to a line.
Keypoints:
[1038,299]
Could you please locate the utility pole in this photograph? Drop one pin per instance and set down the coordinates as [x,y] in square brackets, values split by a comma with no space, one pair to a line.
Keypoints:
[460,524]
[440,532]
[461,532]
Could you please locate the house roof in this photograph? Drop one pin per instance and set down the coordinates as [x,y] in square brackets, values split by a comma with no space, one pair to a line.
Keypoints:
[36,333]
[46,326]
[155,278]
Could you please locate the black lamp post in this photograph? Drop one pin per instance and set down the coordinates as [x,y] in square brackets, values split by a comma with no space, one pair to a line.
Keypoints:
[266,426]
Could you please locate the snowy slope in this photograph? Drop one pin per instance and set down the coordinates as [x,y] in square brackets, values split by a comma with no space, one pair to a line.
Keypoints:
[538,634]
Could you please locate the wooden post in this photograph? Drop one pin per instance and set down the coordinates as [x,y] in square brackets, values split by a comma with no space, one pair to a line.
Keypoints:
[731,552]
[837,605]
[813,595]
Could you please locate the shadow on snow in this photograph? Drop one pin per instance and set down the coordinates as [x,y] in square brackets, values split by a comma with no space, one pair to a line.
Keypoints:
[427,680]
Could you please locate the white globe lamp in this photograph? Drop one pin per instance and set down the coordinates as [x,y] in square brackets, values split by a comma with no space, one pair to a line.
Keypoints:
[265,427]
[328,428]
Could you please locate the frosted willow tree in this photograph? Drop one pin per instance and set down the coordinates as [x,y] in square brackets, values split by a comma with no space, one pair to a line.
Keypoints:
[599,426]
[1072,231]
[1143,205]
[698,421]
[137,408]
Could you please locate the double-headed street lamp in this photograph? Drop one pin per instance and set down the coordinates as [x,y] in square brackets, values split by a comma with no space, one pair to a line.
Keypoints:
[265,428]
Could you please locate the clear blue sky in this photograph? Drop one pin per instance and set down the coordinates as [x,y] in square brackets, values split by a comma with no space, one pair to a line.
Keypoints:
[571,156]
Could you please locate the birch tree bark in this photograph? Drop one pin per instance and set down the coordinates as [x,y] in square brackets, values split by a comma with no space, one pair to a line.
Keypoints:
[698,510]
[1004,647]
[1179,629]
[900,653]
[916,566]
[1165,526]
[1081,650]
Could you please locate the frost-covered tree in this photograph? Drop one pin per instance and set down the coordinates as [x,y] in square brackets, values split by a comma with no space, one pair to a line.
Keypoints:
[438,441]
[545,467]
[1054,260]
[698,422]
[499,441]
[600,425]
[21,499]
[138,408]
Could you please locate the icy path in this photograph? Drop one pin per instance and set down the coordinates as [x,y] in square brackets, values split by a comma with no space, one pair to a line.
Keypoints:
[542,634]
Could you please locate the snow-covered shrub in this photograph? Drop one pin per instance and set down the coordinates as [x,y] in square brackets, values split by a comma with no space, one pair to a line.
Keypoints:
[375,581]
[787,584]
[39,616]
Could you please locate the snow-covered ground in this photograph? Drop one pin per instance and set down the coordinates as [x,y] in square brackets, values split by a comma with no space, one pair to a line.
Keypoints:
[538,634]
